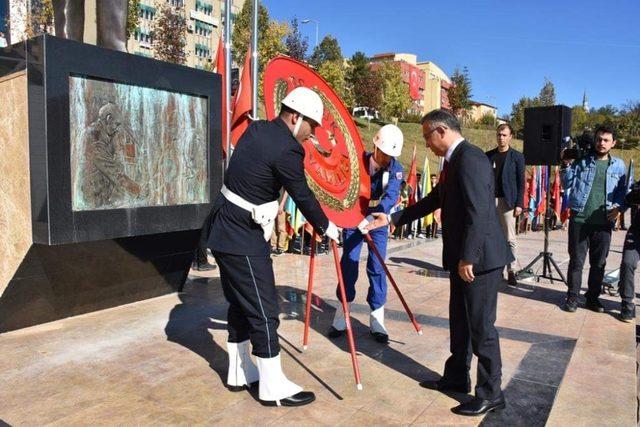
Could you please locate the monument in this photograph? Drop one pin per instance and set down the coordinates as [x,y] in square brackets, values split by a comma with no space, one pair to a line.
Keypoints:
[111,22]
[110,164]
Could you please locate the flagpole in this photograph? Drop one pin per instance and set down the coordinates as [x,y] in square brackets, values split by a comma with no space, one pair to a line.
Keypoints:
[227,73]
[254,62]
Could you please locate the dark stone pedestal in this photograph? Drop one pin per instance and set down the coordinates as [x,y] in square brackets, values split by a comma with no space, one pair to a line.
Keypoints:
[66,248]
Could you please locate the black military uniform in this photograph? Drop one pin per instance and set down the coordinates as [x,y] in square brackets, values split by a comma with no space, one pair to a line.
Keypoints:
[267,157]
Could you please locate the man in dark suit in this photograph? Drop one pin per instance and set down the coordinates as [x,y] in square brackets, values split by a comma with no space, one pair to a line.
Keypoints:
[268,156]
[508,169]
[475,251]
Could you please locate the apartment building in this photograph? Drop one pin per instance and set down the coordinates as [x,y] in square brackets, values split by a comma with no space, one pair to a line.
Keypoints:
[205,23]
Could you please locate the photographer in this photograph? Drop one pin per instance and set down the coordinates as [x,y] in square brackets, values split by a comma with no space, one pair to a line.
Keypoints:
[596,183]
[630,256]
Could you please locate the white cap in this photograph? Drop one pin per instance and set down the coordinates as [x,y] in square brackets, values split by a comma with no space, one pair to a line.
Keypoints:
[389,140]
[306,102]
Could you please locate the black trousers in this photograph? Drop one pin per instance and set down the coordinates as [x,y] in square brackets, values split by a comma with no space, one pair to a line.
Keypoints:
[249,287]
[630,259]
[201,251]
[584,239]
[472,316]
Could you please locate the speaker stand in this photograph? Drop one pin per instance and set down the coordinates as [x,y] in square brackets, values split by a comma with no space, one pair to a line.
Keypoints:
[548,263]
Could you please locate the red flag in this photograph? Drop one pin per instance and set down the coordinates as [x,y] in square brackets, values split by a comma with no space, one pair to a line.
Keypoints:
[526,194]
[242,103]
[414,85]
[557,199]
[532,184]
[220,69]
[543,191]
[412,179]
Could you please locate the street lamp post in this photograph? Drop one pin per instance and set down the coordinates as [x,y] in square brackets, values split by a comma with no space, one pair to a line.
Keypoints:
[306,21]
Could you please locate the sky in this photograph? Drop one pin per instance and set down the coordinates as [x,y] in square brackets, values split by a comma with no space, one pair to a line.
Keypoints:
[509,47]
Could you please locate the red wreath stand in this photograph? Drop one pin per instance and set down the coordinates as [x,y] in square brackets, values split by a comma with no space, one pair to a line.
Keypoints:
[333,164]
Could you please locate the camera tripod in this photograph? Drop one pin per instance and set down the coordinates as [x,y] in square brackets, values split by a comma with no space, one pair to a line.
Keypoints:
[547,257]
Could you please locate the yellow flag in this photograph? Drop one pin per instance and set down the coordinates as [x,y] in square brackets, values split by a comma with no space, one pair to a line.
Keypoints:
[426,189]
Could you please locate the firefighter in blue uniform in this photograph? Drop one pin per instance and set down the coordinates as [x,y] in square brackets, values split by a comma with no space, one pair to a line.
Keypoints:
[386,176]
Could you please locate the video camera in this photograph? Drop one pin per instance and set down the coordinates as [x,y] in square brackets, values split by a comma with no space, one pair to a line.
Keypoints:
[633,198]
[580,146]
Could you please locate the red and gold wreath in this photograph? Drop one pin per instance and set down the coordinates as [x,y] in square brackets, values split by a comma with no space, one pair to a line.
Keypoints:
[334,157]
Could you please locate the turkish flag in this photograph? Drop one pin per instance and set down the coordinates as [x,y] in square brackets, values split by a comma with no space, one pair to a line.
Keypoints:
[542,190]
[242,102]
[412,179]
[557,199]
[220,69]
[414,85]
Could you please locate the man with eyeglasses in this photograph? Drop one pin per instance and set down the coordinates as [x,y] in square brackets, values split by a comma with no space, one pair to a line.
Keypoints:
[472,254]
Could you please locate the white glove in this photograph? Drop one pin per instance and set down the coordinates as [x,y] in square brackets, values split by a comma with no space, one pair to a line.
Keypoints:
[362,226]
[333,232]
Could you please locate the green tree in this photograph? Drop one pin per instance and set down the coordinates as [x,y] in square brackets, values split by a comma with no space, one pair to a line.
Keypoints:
[517,113]
[364,84]
[170,35]
[580,120]
[334,73]
[395,92]
[327,50]
[295,44]
[37,16]
[460,92]
[547,96]
[133,18]
[270,35]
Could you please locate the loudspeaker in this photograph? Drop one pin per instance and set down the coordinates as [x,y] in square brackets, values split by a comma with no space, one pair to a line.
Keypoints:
[545,133]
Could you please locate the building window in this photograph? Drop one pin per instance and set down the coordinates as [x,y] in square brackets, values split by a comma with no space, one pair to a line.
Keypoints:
[176,3]
[146,12]
[204,7]
[202,51]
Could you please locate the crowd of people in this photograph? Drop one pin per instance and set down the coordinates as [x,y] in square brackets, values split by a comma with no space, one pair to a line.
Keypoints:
[475,197]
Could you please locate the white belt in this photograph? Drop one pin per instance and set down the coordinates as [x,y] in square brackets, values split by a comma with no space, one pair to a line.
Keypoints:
[263,215]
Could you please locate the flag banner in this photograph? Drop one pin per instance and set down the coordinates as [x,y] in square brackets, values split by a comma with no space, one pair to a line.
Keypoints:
[412,180]
[426,189]
[220,69]
[241,105]
[557,198]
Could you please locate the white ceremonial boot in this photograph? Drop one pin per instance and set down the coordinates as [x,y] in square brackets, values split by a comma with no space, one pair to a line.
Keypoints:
[376,323]
[339,324]
[276,389]
[242,372]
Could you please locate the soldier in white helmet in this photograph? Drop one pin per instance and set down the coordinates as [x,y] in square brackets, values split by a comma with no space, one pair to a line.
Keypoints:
[386,176]
[268,156]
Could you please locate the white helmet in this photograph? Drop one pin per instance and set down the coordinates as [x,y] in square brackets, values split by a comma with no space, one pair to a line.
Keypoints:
[389,140]
[306,102]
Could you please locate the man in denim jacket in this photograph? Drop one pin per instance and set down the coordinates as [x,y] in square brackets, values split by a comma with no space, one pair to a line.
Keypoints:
[597,186]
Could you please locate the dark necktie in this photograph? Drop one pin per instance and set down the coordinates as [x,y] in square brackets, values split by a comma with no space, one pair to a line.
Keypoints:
[443,172]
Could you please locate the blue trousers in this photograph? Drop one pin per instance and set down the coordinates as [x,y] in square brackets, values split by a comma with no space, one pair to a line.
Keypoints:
[352,241]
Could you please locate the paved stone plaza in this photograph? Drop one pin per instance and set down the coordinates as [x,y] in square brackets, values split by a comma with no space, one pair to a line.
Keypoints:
[163,361]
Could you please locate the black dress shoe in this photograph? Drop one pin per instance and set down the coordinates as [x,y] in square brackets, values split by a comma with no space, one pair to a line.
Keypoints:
[627,314]
[204,266]
[237,388]
[335,333]
[512,279]
[570,305]
[594,305]
[478,406]
[298,399]
[446,386]
[380,337]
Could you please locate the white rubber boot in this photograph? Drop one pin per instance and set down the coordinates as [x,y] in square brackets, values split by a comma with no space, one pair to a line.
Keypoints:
[274,385]
[339,322]
[376,321]
[242,371]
